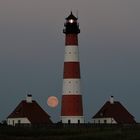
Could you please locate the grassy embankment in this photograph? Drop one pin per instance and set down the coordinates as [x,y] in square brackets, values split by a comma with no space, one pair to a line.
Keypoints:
[71,133]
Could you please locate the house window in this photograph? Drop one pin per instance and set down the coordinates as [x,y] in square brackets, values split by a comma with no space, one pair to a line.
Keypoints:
[78,121]
[19,121]
[69,122]
[98,121]
[101,114]
[105,121]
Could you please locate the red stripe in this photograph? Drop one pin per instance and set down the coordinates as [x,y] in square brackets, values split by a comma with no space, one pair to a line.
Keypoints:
[71,39]
[71,70]
[72,105]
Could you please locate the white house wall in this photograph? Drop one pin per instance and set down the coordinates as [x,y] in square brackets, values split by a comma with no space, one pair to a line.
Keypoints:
[14,121]
[104,121]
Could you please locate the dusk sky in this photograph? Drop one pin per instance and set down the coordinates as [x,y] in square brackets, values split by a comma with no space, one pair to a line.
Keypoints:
[32,52]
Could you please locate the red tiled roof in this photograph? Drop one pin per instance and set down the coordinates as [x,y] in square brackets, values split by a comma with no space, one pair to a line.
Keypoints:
[116,111]
[32,111]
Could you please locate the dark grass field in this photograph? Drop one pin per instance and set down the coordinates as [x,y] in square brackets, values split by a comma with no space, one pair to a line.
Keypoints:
[92,132]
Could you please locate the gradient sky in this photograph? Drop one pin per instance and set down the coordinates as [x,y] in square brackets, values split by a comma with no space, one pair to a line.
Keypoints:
[32,52]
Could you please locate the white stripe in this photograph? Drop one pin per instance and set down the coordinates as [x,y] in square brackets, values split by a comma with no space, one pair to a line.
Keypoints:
[72,119]
[71,54]
[71,87]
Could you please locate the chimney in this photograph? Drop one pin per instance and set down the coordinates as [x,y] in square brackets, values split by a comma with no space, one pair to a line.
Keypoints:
[111,100]
[29,98]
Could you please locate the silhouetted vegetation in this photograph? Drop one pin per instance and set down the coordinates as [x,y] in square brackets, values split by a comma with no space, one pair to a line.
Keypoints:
[71,132]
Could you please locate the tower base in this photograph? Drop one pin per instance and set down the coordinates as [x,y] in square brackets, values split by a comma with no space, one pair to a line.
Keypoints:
[72,119]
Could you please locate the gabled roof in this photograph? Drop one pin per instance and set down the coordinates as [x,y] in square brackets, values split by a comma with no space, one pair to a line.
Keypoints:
[32,111]
[116,111]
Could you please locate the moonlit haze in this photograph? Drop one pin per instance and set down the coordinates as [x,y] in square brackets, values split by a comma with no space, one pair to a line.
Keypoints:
[32,52]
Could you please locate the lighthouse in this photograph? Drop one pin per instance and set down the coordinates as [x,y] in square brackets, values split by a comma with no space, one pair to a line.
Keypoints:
[71,107]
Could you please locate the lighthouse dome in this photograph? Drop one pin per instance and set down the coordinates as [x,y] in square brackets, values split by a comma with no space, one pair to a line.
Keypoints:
[71,16]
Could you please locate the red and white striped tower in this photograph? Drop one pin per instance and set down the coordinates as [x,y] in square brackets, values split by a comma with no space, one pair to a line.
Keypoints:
[72,108]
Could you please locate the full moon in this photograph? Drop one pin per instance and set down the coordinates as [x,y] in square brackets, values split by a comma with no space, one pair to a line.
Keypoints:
[52,101]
